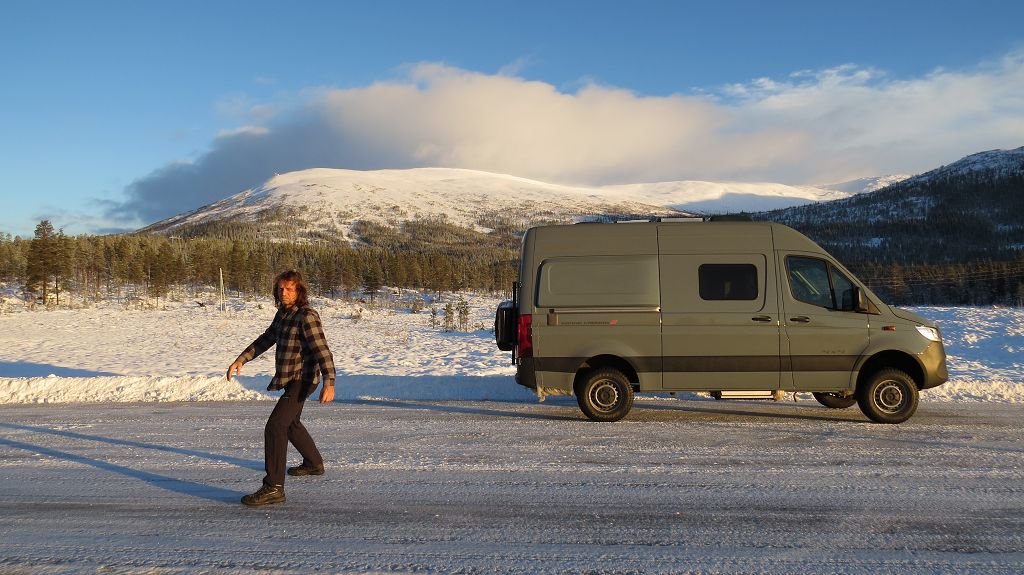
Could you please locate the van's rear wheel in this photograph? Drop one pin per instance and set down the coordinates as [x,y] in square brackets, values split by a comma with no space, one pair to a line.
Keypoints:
[605,395]
[888,396]
[834,400]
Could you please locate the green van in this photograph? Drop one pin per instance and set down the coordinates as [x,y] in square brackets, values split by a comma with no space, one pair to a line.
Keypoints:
[602,311]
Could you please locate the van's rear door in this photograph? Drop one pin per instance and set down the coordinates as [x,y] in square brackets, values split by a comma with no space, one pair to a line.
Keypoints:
[720,320]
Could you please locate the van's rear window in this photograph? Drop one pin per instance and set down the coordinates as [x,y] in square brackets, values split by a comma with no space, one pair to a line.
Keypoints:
[727,282]
[599,281]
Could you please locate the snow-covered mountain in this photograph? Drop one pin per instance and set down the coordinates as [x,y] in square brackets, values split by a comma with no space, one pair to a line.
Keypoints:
[864,185]
[913,198]
[724,197]
[996,163]
[331,201]
[328,202]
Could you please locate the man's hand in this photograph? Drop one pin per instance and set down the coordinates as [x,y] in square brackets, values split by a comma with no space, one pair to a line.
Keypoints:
[235,367]
[326,394]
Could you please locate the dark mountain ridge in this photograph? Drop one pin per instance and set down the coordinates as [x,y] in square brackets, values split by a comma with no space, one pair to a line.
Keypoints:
[927,238]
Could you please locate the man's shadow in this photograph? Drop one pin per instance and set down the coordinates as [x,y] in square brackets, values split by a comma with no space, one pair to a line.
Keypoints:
[29,369]
[170,483]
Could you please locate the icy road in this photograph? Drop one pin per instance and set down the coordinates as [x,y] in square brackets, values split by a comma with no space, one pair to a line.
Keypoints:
[477,487]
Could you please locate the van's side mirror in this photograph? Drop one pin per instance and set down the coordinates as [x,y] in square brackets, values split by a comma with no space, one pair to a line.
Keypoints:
[854,300]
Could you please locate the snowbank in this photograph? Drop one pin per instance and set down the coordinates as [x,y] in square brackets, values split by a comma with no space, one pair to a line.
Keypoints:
[54,389]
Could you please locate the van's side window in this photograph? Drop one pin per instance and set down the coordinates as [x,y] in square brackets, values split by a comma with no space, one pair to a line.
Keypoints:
[816,282]
[842,288]
[727,282]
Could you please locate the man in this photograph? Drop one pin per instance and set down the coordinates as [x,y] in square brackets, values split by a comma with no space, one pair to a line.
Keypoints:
[302,356]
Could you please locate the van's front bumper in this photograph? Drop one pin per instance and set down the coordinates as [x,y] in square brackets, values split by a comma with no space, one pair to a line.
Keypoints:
[934,362]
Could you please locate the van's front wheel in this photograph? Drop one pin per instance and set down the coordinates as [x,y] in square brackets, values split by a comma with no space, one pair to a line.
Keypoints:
[605,395]
[888,396]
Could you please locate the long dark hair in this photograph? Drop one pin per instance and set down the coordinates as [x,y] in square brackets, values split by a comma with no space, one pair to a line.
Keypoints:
[300,286]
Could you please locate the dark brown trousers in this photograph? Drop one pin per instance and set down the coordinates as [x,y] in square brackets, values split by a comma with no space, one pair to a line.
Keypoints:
[283,427]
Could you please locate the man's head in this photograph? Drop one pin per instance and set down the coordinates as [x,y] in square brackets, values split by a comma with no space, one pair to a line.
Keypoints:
[290,290]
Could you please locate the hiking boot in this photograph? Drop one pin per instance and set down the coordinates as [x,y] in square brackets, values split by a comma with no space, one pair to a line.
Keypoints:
[306,469]
[265,496]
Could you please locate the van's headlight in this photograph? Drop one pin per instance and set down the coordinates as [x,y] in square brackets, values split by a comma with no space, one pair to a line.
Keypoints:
[931,333]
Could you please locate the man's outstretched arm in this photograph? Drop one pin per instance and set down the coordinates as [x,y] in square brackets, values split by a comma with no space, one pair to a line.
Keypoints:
[260,345]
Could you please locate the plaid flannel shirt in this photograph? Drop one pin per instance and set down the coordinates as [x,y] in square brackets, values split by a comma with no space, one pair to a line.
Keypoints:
[302,353]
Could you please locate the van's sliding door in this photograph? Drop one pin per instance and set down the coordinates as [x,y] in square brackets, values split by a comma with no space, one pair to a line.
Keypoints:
[720,321]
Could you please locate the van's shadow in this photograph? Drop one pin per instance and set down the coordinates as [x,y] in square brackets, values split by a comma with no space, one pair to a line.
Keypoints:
[873,431]
[162,481]
[740,411]
[570,405]
[440,407]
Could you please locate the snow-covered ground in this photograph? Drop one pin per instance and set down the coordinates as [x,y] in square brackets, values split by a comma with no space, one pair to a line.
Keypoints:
[181,350]
[439,463]
[680,486]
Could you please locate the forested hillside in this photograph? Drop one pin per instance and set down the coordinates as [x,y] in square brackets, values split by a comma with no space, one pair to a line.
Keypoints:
[51,263]
[953,237]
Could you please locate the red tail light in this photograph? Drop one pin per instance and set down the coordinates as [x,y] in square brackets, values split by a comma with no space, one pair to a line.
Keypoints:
[525,335]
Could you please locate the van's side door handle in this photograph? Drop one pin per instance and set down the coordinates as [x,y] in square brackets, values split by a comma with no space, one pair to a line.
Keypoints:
[762,318]
[800,319]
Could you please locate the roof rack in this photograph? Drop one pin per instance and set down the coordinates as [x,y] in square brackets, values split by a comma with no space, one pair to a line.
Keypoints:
[676,219]
[681,219]
[731,218]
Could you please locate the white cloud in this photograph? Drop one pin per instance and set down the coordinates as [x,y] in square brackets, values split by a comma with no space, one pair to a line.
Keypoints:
[813,126]
[73,222]
[241,106]
[243,131]
[516,67]
[859,122]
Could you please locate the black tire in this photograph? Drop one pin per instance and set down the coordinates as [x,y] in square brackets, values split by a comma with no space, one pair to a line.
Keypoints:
[834,400]
[605,395]
[888,396]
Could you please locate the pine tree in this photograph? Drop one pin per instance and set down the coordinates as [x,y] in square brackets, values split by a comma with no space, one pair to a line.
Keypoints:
[13,258]
[350,280]
[236,269]
[372,278]
[164,270]
[414,273]
[42,258]
[449,317]
[463,309]
[63,255]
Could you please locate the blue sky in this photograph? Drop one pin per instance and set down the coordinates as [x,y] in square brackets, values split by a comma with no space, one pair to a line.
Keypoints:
[118,113]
